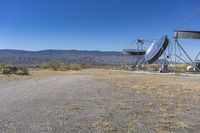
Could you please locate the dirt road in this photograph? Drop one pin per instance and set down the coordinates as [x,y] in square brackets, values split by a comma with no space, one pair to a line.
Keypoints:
[92,101]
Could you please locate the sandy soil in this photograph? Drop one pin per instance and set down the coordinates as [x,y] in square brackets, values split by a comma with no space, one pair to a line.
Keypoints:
[99,101]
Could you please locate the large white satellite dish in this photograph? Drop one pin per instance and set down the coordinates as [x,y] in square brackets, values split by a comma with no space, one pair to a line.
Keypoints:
[156,49]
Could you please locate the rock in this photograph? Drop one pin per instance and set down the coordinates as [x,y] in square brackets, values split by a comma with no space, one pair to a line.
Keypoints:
[9,70]
[15,70]
[22,71]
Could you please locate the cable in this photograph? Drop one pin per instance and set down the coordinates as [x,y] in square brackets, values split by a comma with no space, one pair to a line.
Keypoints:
[189,19]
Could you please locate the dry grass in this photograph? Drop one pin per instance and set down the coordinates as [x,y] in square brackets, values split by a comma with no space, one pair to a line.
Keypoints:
[37,73]
[45,72]
[1,77]
[181,67]
[12,77]
[49,72]
[170,100]
[104,125]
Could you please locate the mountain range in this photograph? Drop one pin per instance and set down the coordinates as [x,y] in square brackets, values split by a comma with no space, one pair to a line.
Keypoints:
[33,58]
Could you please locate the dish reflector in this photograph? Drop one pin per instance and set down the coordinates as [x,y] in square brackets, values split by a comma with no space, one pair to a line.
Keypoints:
[156,49]
[133,52]
[187,34]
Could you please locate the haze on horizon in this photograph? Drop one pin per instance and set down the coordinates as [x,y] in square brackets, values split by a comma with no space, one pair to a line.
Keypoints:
[108,25]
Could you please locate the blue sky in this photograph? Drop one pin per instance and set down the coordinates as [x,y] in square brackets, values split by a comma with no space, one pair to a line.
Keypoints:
[91,24]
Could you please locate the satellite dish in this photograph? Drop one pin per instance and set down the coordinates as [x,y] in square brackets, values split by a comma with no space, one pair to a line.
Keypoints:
[156,49]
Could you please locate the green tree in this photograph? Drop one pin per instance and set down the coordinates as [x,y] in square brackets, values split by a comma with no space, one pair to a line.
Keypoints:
[54,64]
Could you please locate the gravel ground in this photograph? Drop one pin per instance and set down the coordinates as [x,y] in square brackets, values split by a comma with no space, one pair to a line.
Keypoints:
[94,101]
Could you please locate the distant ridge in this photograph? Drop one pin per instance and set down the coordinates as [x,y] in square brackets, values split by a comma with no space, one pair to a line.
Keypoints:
[31,58]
